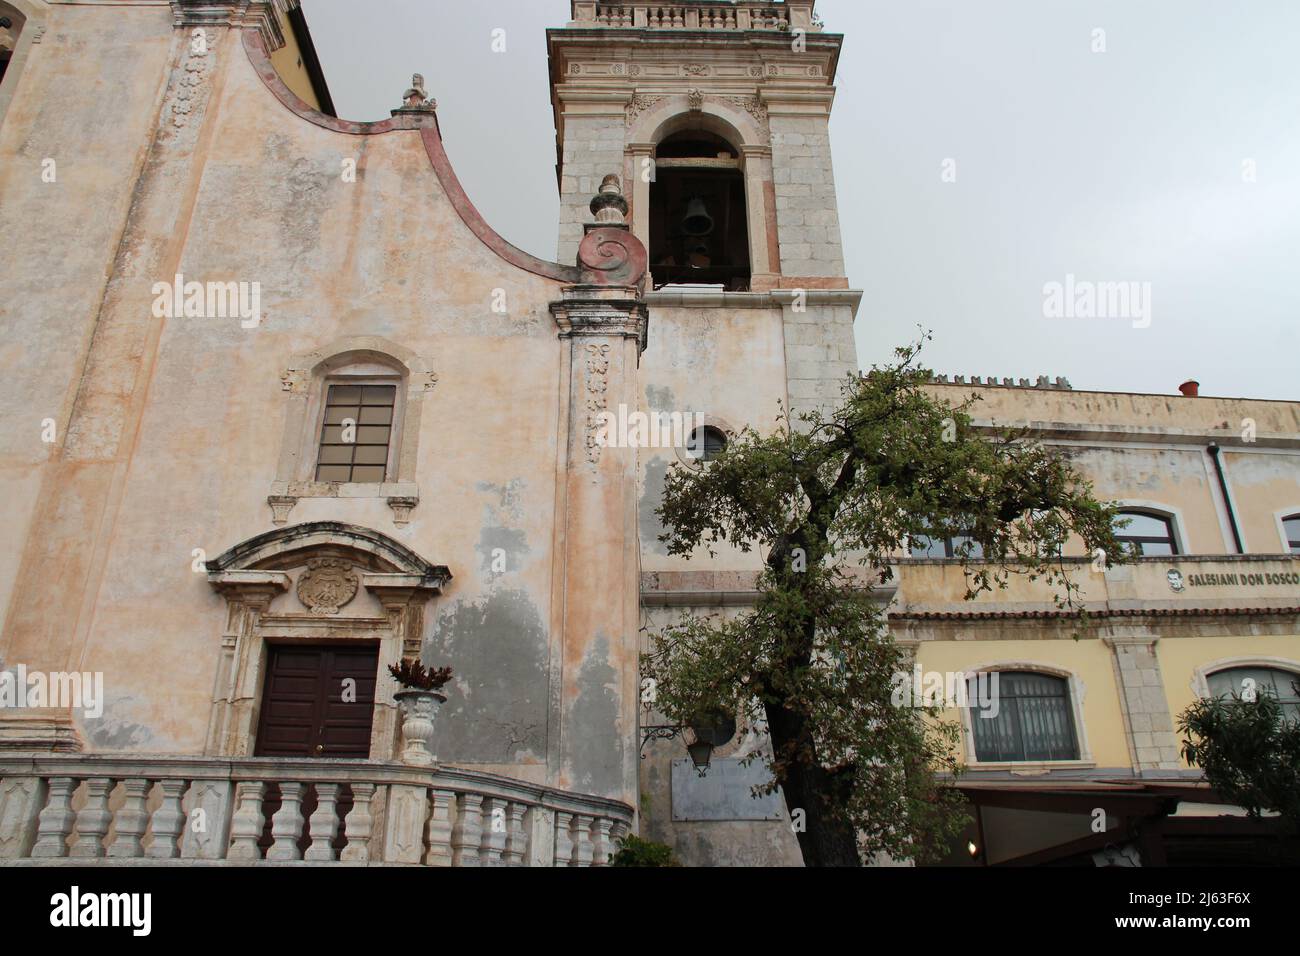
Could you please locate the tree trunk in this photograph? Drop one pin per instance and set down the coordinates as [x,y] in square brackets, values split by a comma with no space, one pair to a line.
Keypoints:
[825,840]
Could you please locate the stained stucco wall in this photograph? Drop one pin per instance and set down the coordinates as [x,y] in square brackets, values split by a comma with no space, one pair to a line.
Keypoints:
[64,233]
[181,420]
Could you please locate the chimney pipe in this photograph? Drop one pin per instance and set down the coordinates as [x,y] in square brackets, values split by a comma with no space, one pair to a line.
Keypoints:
[1190,388]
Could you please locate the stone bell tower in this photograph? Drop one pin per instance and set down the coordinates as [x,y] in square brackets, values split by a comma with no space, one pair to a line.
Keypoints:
[631,81]
[717,115]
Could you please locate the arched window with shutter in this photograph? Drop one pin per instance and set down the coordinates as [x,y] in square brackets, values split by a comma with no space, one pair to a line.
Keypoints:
[1033,720]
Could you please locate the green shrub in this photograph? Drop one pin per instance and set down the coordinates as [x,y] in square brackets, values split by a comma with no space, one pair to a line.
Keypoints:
[633,851]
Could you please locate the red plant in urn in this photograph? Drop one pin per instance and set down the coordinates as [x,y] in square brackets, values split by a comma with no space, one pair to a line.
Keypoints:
[411,673]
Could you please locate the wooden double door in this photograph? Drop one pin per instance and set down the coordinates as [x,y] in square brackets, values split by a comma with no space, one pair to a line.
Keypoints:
[318,701]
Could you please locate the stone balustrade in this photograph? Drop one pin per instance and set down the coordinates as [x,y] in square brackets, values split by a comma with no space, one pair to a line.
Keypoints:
[132,810]
[694,16]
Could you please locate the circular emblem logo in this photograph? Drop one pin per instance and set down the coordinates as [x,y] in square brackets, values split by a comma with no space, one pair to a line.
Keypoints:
[327,585]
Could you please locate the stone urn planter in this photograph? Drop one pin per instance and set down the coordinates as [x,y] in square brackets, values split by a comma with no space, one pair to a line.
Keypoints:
[418,699]
[418,710]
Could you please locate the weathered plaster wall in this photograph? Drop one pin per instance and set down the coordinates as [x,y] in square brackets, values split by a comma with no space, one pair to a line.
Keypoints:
[178,431]
[1265,488]
[386,255]
[739,842]
[727,364]
[65,231]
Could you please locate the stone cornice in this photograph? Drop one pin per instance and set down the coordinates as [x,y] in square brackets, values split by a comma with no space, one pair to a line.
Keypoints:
[775,298]
[265,16]
[610,311]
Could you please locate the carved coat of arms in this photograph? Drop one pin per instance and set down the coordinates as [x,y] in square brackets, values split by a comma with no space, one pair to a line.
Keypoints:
[327,585]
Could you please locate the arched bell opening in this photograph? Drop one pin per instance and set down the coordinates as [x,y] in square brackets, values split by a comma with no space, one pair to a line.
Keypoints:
[699,230]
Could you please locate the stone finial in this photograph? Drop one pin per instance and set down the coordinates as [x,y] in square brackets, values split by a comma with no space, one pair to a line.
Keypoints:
[609,207]
[416,98]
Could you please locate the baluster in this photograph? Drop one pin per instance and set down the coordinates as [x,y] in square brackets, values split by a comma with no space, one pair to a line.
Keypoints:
[467,834]
[21,802]
[324,823]
[357,827]
[437,831]
[600,845]
[247,822]
[94,819]
[168,820]
[55,821]
[679,17]
[495,815]
[517,844]
[132,819]
[582,848]
[286,825]
[563,839]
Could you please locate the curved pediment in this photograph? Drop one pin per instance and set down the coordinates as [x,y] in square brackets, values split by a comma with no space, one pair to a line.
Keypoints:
[293,546]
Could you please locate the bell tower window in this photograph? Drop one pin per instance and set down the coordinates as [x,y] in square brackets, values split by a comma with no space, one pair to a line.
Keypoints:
[699,232]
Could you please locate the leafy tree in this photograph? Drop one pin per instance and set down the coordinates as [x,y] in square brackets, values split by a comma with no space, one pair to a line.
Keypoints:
[829,499]
[1250,751]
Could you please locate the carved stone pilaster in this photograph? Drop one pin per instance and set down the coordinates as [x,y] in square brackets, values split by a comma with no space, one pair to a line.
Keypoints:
[603,331]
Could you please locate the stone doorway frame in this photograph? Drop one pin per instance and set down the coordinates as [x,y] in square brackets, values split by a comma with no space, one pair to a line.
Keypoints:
[252,574]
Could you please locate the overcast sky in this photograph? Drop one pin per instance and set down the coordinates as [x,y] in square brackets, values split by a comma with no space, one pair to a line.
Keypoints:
[1170,159]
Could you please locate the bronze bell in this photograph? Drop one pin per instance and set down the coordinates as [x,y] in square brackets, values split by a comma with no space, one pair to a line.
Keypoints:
[698,222]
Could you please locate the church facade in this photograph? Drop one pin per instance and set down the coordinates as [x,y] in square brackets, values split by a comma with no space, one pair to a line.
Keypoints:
[286,410]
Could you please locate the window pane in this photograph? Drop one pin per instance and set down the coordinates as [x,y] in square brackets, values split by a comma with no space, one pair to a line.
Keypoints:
[333,472]
[344,395]
[1292,526]
[371,455]
[368,474]
[376,415]
[927,548]
[962,543]
[1144,526]
[1156,547]
[378,394]
[332,435]
[372,434]
[335,414]
[336,454]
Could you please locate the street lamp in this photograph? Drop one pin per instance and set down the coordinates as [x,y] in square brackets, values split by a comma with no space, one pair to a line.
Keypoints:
[708,731]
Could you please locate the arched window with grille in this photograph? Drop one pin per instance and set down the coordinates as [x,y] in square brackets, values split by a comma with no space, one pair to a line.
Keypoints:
[1033,719]
[1248,682]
